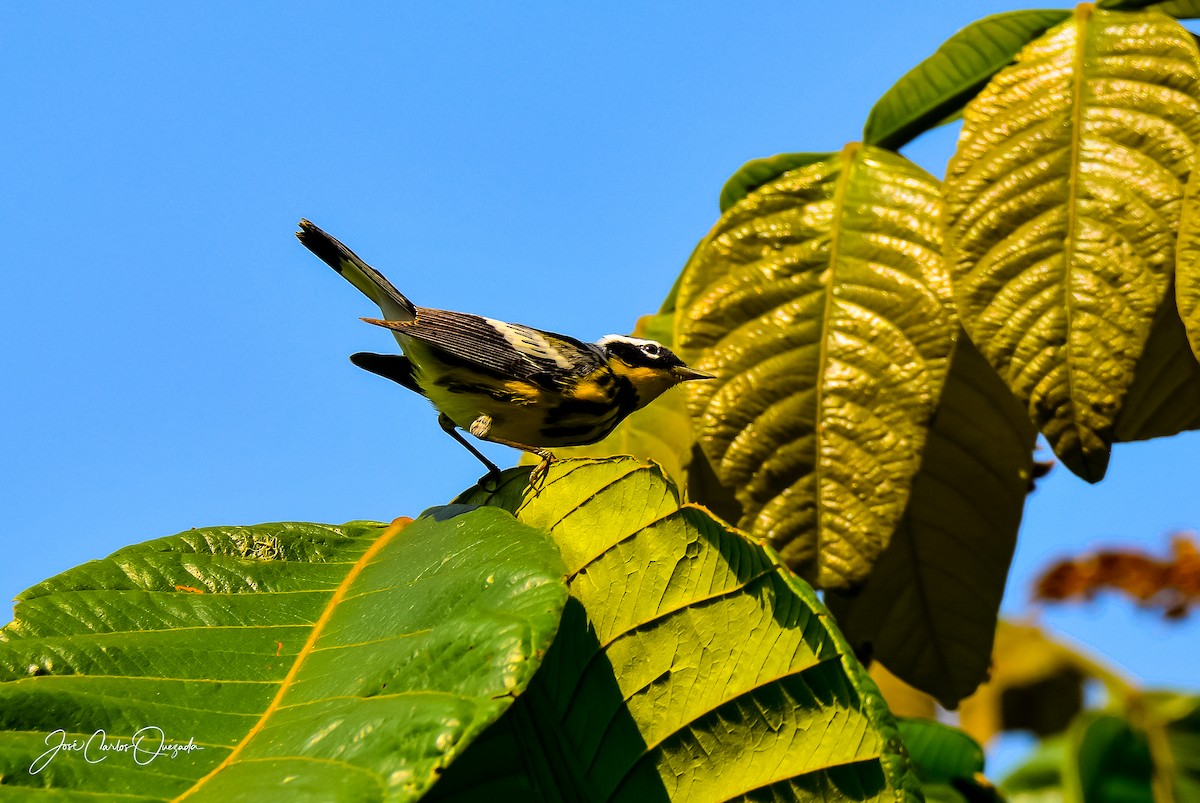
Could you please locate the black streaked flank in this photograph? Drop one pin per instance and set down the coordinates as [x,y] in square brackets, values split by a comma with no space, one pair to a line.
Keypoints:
[455,385]
[570,407]
[579,434]
[626,397]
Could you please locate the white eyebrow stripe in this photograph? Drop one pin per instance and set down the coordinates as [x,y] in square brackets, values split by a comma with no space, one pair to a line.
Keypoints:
[529,342]
[636,341]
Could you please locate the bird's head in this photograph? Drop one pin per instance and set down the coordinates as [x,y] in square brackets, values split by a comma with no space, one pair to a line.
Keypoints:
[650,367]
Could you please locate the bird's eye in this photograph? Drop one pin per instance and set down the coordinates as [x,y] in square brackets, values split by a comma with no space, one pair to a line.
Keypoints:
[652,350]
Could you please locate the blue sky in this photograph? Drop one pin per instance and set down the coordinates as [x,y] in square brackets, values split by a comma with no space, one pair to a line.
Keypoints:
[175,359]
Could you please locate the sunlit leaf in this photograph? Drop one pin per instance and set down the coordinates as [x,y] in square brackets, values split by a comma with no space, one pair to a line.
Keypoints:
[340,663]
[690,665]
[929,608]
[1062,203]
[757,172]
[1187,264]
[820,303]
[938,87]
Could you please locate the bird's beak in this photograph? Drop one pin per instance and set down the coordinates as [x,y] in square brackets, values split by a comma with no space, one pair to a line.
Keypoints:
[397,325]
[683,373]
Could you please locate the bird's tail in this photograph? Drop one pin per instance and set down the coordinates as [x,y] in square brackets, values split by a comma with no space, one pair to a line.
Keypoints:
[373,284]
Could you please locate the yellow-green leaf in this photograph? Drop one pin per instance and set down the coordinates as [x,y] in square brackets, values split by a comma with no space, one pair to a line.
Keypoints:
[1187,263]
[757,172]
[690,665]
[1062,203]
[820,302]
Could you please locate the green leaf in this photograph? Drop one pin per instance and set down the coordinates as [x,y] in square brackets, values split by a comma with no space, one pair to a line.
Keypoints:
[821,304]
[1061,205]
[1180,9]
[1164,397]
[1107,761]
[937,88]
[940,753]
[929,608]
[757,172]
[942,793]
[691,664]
[340,663]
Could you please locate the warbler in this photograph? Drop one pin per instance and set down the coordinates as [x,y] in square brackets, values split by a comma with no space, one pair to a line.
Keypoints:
[504,382]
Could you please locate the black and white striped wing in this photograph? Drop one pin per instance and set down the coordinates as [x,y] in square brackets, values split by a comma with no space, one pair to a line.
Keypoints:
[503,349]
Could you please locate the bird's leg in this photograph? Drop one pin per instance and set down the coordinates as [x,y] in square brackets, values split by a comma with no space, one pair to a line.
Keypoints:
[482,427]
[493,470]
[539,471]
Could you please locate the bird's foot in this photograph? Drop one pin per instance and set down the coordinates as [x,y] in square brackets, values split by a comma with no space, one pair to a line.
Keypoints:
[537,477]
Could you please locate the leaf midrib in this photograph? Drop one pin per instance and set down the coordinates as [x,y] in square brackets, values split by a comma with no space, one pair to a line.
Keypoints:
[1083,14]
[836,232]
[318,628]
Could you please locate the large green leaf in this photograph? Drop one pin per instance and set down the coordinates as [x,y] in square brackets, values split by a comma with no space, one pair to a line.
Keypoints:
[301,660]
[1164,397]
[939,86]
[948,762]
[691,665]
[928,610]
[820,302]
[1183,9]
[1061,205]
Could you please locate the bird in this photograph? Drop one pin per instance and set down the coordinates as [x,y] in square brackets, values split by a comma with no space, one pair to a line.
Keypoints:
[505,383]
